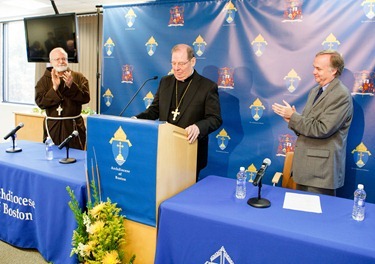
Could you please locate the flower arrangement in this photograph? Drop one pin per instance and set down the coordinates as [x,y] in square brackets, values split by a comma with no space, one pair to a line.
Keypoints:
[100,233]
[88,111]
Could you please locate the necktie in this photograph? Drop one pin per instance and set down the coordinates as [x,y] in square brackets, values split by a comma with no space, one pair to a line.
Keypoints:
[318,94]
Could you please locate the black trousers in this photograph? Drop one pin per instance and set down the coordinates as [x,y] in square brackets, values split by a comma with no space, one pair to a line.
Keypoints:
[305,188]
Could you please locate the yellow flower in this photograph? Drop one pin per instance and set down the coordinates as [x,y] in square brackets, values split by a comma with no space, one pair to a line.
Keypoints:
[99,230]
[89,248]
[96,227]
[111,258]
[97,209]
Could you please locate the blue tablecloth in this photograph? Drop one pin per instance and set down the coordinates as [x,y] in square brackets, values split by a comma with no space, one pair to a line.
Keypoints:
[34,201]
[206,224]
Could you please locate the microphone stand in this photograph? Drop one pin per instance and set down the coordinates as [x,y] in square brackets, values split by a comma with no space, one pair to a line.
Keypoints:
[259,202]
[67,160]
[13,149]
[131,100]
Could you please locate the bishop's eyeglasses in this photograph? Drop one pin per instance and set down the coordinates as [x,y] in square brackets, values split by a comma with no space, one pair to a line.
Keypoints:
[173,63]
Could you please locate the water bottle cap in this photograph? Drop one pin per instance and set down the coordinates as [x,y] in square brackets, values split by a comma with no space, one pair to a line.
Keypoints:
[49,141]
[360,186]
[242,169]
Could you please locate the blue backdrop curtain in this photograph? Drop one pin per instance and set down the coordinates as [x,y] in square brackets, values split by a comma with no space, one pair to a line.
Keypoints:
[259,53]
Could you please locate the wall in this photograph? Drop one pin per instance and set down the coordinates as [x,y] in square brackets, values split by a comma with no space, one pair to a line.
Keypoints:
[259,53]
[7,118]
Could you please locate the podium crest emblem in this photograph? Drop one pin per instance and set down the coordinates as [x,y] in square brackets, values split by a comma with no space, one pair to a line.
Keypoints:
[369,8]
[361,155]
[222,256]
[231,12]
[109,46]
[257,109]
[130,17]
[108,96]
[251,172]
[223,139]
[292,81]
[120,146]
[151,46]
[127,74]
[331,43]
[148,99]
[199,46]
[259,45]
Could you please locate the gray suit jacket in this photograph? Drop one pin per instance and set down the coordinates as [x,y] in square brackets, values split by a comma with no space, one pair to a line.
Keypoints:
[322,130]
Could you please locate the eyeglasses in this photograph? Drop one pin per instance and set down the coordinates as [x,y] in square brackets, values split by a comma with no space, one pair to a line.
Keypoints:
[58,59]
[179,63]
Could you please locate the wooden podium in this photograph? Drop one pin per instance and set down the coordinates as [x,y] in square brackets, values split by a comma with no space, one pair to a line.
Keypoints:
[138,164]
[33,126]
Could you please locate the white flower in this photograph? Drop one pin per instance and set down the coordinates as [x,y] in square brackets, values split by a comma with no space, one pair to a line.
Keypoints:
[81,249]
[86,219]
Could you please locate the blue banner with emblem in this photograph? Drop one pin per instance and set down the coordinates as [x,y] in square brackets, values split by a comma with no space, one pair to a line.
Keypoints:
[259,53]
[121,159]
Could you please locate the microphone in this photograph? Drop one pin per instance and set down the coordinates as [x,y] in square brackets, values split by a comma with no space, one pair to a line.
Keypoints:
[11,133]
[66,141]
[261,171]
[131,100]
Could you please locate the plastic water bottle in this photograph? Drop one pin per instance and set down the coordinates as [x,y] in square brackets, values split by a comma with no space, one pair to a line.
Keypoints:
[49,150]
[241,184]
[359,203]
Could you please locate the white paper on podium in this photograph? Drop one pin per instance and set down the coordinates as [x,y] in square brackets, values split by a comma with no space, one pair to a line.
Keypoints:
[302,202]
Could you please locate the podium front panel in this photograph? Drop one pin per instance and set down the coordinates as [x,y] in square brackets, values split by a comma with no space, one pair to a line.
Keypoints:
[122,153]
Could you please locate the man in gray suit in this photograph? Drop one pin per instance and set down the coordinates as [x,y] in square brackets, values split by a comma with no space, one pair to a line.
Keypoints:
[322,128]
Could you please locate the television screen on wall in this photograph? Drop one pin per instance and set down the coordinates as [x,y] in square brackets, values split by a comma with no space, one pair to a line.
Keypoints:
[45,33]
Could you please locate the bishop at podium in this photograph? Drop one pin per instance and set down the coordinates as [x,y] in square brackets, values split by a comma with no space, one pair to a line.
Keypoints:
[188,100]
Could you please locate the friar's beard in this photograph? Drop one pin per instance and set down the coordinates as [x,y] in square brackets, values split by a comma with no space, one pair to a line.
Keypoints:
[61,68]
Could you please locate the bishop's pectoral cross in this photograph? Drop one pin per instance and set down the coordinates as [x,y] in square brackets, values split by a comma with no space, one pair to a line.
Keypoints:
[175,114]
[59,110]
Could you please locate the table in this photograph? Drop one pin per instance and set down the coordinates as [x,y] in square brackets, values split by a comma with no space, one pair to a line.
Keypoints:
[34,201]
[206,224]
